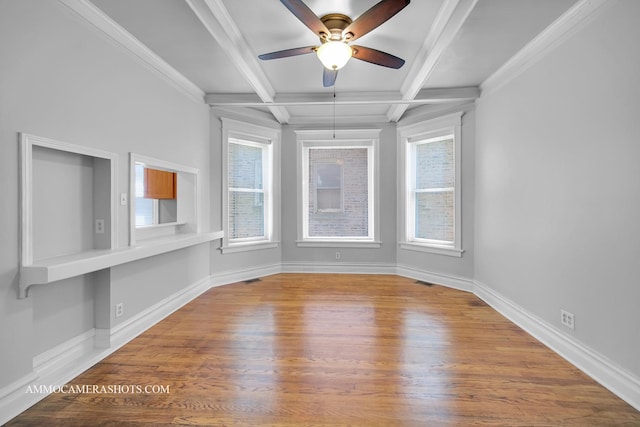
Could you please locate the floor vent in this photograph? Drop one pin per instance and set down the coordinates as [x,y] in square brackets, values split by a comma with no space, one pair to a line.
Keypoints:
[247,282]
[421,282]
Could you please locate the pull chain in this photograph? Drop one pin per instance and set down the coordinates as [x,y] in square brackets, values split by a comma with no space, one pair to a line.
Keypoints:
[334,110]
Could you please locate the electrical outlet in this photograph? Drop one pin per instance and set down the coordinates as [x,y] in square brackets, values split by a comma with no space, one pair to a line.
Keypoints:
[568,319]
[99,226]
[337,255]
[119,309]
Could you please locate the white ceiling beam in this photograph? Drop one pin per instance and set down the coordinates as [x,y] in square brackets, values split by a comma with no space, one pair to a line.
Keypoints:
[451,16]
[217,20]
[424,96]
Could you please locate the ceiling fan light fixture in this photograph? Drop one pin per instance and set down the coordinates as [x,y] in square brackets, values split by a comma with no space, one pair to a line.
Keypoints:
[334,54]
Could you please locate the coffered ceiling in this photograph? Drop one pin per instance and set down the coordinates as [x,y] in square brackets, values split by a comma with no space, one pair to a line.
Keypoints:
[450,48]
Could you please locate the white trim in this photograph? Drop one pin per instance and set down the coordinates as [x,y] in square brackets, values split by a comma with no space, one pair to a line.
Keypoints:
[268,138]
[444,30]
[27,142]
[66,361]
[574,19]
[407,136]
[327,243]
[432,249]
[341,138]
[338,267]
[14,400]
[94,16]
[188,200]
[52,270]
[64,353]
[102,338]
[11,388]
[124,332]
[228,277]
[216,19]
[442,279]
[620,382]
[249,246]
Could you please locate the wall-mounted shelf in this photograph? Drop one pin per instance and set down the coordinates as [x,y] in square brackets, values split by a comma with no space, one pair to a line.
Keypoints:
[49,270]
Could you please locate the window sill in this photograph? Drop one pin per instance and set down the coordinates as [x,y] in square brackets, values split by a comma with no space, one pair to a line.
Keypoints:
[323,243]
[153,226]
[433,249]
[248,246]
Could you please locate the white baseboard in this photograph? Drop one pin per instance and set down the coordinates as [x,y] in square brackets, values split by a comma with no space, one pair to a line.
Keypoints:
[66,361]
[62,363]
[134,326]
[338,267]
[459,283]
[64,353]
[623,384]
[225,278]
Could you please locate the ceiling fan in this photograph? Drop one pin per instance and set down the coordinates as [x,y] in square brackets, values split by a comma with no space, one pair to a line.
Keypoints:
[336,31]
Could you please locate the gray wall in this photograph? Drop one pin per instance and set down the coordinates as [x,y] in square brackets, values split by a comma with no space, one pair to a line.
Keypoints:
[558,186]
[443,264]
[240,261]
[387,252]
[62,79]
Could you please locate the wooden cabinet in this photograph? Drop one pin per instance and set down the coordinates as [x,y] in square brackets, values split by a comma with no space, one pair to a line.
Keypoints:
[159,184]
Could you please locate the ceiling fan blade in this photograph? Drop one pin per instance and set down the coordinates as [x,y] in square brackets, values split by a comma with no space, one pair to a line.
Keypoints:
[377,57]
[329,77]
[288,52]
[306,16]
[373,17]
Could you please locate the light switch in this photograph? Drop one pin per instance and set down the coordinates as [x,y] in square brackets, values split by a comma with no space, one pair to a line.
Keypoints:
[123,199]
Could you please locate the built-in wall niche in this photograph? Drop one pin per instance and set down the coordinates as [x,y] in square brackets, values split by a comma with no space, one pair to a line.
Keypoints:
[68,194]
[163,198]
[69,212]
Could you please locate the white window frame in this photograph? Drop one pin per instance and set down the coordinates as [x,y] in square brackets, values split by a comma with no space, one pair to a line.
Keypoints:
[408,137]
[187,199]
[344,138]
[268,139]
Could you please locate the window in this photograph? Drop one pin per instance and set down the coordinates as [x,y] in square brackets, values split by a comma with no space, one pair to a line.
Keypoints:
[163,198]
[430,215]
[156,196]
[251,182]
[338,191]
[248,218]
[328,184]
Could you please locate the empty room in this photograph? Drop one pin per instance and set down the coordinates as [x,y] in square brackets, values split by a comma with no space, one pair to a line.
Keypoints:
[319,212]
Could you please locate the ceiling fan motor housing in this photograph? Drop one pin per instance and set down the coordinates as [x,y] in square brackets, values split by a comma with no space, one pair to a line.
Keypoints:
[335,23]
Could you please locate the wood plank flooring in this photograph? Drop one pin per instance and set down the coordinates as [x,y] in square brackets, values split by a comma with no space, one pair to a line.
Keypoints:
[331,350]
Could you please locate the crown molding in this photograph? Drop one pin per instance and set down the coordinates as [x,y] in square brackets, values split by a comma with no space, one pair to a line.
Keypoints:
[451,16]
[98,19]
[218,22]
[569,23]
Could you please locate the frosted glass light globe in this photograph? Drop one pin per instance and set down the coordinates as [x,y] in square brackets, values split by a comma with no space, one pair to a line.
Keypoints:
[334,55]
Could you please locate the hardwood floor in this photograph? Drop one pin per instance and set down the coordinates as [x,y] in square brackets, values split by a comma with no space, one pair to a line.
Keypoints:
[331,350]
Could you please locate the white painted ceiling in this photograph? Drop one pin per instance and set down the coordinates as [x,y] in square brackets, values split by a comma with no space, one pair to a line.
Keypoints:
[450,48]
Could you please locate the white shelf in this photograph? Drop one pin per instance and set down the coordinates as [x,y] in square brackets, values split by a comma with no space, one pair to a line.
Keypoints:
[63,267]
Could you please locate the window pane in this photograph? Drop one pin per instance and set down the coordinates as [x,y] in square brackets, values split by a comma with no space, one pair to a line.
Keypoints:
[139,180]
[246,214]
[245,166]
[435,216]
[338,192]
[144,211]
[328,175]
[435,165]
